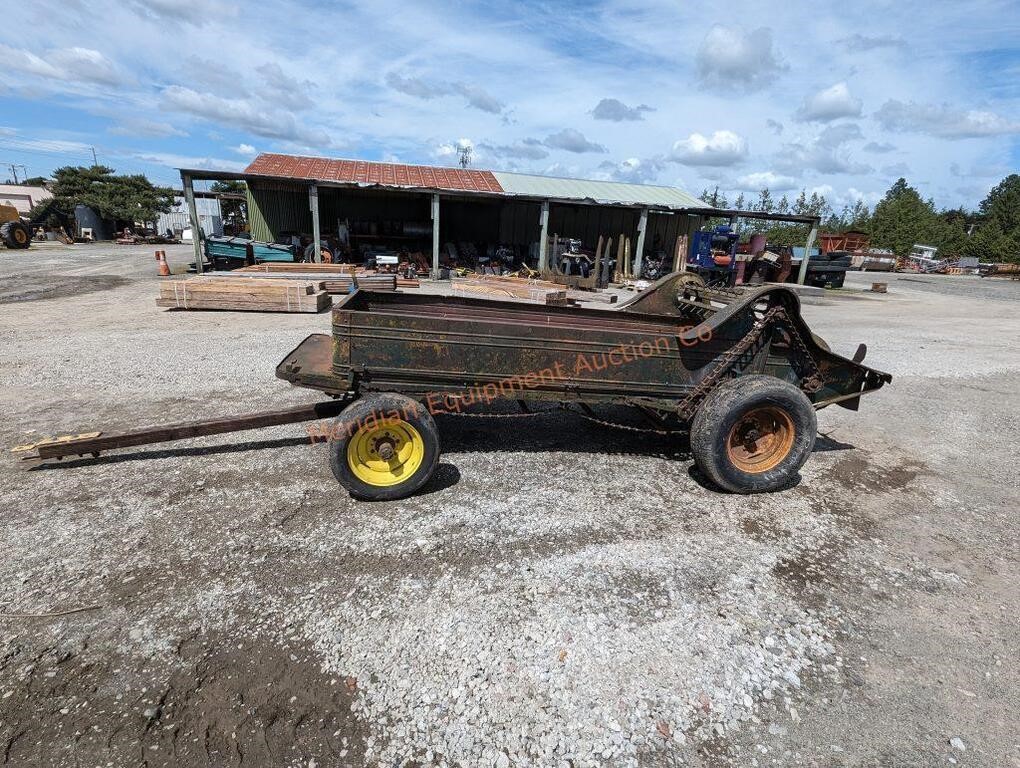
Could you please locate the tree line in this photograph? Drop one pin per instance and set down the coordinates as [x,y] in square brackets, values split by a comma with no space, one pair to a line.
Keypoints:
[898,221]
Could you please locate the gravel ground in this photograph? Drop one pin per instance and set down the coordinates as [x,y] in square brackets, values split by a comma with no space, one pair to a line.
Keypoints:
[559,594]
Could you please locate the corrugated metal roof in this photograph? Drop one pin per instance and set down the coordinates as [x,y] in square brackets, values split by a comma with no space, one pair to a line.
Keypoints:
[471,180]
[603,192]
[365,172]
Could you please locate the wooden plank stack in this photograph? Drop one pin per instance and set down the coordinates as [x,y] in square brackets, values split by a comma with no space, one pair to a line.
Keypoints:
[307,268]
[332,282]
[501,288]
[244,295]
[336,276]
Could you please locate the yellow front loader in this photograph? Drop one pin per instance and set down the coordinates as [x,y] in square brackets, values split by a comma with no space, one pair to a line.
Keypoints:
[13,232]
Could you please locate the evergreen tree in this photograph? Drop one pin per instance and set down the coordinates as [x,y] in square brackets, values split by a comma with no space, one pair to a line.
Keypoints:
[1002,205]
[902,218]
[127,198]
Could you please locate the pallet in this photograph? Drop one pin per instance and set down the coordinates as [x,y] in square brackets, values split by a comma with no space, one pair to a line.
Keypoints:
[244,295]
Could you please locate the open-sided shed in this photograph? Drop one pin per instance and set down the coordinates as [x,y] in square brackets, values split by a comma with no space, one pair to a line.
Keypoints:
[289,193]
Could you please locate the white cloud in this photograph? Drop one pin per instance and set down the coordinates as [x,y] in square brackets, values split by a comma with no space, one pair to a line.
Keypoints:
[754,182]
[721,148]
[943,121]
[246,114]
[214,76]
[859,42]
[730,57]
[139,126]
[526,149]
[73,65]
[878,147]
[415,86]
[451,149]
[826,153]
[247,150]
[830,104]
[896,169]
[476,97]
[616,111]
[633,170]
[282,89]
[572,140]
[196,12]
[189,161]
[479,98]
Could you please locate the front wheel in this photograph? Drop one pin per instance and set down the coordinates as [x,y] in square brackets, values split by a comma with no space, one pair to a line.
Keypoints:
[15,235]
[384,447]
[752,434]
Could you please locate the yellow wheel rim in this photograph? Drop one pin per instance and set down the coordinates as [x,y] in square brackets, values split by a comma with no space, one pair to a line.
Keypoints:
[385,455]
[20,237]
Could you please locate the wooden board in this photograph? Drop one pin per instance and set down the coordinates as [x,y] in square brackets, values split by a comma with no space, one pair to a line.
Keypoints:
[331,282]
[495,287]
[303,267]
[244,294]
[597,296]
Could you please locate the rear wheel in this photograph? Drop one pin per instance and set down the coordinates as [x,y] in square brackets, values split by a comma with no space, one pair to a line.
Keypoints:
[753,434]
[384,447]
[15,235]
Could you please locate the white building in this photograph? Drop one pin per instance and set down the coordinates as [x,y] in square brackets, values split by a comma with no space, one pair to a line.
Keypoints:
[23,198]
[177,220]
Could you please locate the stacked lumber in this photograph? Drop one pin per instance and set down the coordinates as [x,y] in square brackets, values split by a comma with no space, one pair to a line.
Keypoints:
[572,296]
[305,268]
[595,296]
[244,295]
[495,287]
[332,282]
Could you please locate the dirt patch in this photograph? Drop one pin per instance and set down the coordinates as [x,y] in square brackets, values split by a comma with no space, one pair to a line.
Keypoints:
[36,287]
[227,702]
[858,474]
[763,529]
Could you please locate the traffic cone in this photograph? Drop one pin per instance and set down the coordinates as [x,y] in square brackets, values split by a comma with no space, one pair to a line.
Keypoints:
[164,268]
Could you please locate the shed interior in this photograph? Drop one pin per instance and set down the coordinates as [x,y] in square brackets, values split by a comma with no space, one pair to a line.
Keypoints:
[477,232]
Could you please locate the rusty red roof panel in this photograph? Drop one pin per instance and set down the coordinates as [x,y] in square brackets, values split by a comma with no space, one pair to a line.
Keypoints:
[365,172]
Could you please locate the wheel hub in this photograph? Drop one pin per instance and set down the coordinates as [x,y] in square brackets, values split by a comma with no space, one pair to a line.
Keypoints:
[760,439]
[385,455]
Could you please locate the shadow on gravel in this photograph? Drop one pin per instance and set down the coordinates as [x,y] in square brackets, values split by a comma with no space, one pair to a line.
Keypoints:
[37,287]
[696,475]
[445,476]
[557,430]
[825,444]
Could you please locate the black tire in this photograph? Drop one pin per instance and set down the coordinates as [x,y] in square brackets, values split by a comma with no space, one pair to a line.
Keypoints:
[399,422]
[16,235]
[728,452]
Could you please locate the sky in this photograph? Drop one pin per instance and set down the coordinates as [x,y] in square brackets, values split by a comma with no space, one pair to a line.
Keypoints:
[838,98]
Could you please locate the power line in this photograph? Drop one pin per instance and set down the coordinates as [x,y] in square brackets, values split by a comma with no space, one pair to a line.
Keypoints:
[42,152]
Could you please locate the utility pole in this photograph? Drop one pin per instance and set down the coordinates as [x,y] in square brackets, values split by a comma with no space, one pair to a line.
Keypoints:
[95,162]
[14,170]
